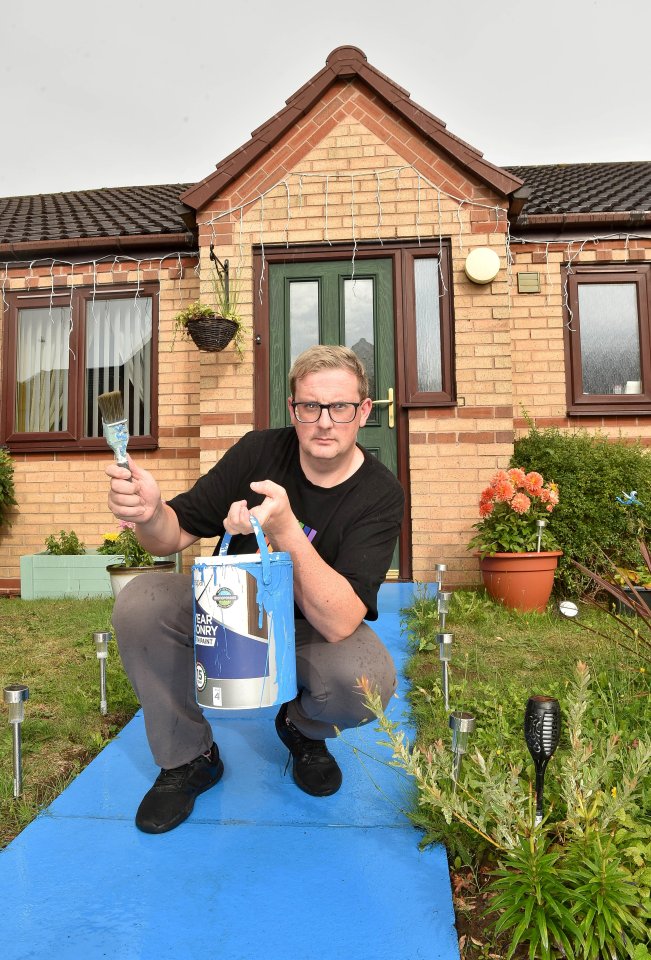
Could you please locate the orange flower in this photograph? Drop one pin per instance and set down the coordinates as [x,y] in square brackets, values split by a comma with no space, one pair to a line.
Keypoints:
[504,490]
[486,508]
[520,503]
[533,483]
[517,477]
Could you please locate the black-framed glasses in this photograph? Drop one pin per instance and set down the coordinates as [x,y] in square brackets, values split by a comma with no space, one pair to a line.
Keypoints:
[310,412]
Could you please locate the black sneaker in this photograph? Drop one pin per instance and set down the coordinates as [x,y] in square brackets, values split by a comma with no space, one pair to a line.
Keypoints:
[171,799]
[314,768]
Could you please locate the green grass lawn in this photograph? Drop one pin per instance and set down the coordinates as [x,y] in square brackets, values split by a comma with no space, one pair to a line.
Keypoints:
[48,645]
[502,657]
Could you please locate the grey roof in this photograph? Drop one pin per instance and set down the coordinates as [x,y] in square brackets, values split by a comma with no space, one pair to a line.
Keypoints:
[567,188]
[111,212]
[156,211]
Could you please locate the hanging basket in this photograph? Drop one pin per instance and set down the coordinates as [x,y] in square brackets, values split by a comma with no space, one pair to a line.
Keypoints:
[212,333]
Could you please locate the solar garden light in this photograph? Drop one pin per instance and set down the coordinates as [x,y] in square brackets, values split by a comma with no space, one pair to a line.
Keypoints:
[445,655]
[443,607]
[541,524]
[440,570]
[102,638]
[14,696]
[462,725]
[568,609]
[542,730]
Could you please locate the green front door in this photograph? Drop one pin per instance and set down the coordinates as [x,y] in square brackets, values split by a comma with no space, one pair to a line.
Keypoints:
[326,302]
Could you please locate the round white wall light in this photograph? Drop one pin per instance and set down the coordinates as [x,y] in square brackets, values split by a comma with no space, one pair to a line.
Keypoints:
[482,265]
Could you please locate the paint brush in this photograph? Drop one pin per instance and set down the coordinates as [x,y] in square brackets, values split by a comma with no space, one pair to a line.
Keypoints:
[114,424]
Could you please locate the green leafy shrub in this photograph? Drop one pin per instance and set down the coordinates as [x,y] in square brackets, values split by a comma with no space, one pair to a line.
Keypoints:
[65,544]
[589,523]
[7,490]
[576,885]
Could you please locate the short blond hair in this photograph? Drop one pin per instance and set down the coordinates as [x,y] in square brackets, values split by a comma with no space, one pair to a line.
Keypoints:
[322,357]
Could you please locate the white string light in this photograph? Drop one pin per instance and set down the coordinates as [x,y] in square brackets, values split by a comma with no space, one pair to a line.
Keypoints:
[567,244]
[262,247]
[4,283]
[352,221]
[326,209]
[379,206]
[443,285]
[288,216]
[394,172]
[460,227]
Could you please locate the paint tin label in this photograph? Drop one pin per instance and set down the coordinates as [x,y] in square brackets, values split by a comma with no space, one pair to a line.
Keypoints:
[244,632]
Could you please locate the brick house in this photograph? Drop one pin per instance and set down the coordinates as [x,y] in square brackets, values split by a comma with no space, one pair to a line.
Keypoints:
[472,292]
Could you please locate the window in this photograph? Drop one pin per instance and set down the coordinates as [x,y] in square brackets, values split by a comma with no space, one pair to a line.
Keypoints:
[429,350]
[607,340]
[62,351]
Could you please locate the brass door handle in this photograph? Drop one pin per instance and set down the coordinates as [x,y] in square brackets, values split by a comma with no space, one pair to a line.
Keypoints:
[390,404]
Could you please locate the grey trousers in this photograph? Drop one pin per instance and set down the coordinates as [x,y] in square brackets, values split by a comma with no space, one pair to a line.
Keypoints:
[153,621]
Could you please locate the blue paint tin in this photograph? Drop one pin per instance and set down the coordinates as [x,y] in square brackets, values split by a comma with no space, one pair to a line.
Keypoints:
[244,628]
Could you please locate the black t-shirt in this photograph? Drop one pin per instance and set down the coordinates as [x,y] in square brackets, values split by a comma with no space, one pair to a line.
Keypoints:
[352,526]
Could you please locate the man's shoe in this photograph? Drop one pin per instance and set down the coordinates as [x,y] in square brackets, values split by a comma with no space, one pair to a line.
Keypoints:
[314,768]
[171,799]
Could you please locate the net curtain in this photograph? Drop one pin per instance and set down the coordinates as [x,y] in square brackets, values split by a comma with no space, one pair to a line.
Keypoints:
[118,357]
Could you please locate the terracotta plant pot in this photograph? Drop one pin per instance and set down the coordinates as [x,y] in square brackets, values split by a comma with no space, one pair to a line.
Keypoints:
[121,575]
[521,581]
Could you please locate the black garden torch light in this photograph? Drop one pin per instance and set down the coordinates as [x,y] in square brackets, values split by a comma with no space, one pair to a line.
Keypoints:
[542,730]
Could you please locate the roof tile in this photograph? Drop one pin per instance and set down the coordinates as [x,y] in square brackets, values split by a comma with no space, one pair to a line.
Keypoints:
[566,188]
[108,212]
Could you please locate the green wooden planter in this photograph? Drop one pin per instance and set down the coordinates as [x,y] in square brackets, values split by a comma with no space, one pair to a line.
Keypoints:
[43,575]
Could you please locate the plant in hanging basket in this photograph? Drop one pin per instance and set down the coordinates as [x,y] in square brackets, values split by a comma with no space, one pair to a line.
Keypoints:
[213,326]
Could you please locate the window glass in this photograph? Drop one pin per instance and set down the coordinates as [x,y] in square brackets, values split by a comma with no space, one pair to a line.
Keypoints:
[610,345]
[42,359]
[118,357]
[428,325]
[303,316]
[359,312]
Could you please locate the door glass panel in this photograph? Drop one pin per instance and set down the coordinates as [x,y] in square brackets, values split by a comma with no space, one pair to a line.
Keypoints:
[42,370]
[428,324]
[610,344]
[303,316]
[359,336]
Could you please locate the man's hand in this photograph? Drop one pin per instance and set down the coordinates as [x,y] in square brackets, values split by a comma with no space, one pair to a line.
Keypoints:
[274,514]
[326,598]
[133,496]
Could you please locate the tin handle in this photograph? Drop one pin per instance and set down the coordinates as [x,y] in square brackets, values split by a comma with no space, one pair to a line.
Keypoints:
[262,545]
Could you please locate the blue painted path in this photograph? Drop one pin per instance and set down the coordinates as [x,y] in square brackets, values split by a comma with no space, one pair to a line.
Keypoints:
[260,871]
